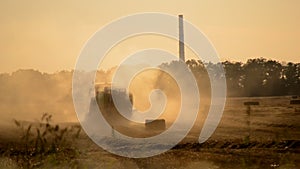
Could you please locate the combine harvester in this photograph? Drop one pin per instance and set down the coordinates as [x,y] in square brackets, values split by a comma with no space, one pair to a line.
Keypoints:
[104,101]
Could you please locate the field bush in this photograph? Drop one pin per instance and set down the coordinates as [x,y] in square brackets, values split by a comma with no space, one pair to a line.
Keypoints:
[43,141]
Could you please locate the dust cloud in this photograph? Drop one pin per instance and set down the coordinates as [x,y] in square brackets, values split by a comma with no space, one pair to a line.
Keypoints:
[27,94]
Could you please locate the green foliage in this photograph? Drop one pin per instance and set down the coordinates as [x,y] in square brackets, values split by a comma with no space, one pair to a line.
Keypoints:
[43,140]
[246,140]
[256,77]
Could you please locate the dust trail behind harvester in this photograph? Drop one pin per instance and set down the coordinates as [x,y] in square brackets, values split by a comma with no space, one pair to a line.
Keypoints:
[149,80]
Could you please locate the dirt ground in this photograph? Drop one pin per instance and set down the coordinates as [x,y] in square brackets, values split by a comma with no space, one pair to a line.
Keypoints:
[270,140]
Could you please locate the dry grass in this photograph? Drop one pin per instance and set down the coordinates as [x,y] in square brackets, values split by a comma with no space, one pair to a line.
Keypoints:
[41,142]
[274,143]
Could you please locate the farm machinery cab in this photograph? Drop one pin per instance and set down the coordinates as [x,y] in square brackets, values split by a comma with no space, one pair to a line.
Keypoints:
[105,97]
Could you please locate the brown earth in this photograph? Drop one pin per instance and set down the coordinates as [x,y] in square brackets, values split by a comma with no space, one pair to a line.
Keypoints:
[270,140]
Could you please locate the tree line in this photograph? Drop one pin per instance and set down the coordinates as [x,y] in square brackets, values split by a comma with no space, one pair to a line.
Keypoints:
[256,77]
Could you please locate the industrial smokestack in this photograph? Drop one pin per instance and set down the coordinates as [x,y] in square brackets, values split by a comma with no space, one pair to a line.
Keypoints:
[181,39]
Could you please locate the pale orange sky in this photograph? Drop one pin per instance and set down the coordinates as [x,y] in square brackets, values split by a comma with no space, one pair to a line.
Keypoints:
[48,35]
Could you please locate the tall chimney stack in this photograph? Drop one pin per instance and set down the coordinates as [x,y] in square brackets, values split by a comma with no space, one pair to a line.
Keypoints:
[181,39]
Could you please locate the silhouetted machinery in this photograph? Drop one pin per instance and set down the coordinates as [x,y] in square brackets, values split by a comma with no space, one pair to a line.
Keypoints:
[104,98]
[106,103]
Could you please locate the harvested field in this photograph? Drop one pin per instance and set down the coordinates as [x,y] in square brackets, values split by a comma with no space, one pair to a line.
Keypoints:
[270,140]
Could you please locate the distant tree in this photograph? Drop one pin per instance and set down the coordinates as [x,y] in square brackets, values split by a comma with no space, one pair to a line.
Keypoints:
[257,77]
[234,77]
[199,70]
[291,78]
[273,83]
[254,77]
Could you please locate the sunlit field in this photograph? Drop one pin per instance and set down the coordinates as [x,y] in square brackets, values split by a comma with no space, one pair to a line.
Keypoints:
[270,140]
[150,84]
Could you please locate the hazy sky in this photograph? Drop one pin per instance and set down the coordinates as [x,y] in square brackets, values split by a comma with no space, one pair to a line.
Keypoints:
[48,35]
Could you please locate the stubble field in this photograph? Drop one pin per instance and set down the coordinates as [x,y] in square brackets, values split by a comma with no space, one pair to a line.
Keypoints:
[266,136]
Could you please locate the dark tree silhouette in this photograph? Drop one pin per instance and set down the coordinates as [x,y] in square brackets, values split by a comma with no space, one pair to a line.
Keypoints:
[256,77]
